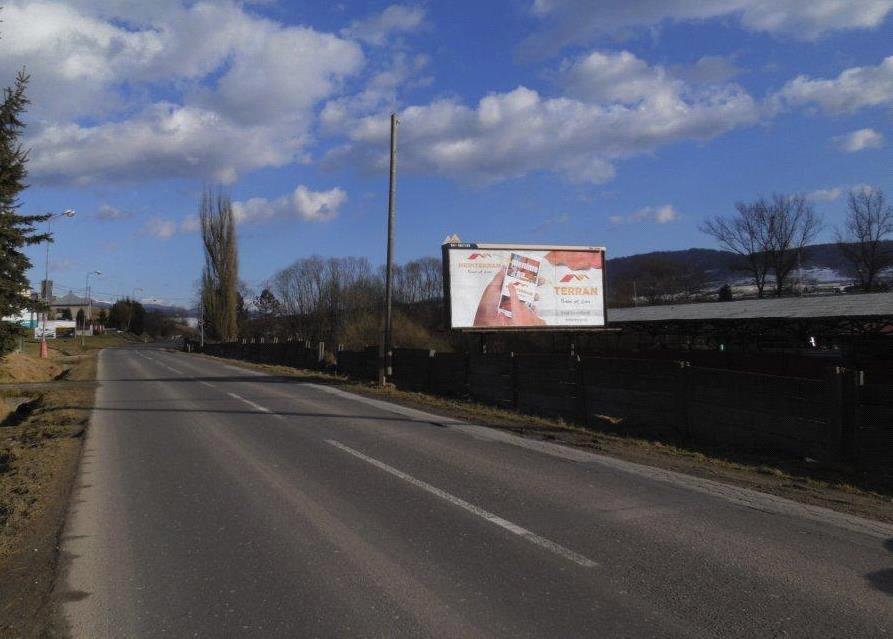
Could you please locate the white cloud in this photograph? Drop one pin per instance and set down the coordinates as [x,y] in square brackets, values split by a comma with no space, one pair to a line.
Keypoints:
[164,228]
[616,77]
[282,74]
[107,212]
[853,89]
[402,71]
[312,206]
[655,214]
[160,228]
[860,140]
[190,224]
[164,140]
[825,195]
[618,107]
[581,21]
[241,90]
[394,19]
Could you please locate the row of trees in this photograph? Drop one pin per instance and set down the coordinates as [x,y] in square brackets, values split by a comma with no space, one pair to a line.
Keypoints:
[770,235]
[322,298]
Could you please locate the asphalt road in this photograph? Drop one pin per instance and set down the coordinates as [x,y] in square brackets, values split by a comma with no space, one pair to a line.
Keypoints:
[214,502]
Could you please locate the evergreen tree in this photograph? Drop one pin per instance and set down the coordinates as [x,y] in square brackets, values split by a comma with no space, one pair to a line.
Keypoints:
[16,231]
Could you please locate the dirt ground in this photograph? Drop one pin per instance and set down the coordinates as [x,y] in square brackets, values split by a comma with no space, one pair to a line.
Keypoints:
[41,433]
[839,488]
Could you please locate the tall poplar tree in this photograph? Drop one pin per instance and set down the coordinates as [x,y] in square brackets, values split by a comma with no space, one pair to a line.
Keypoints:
[220,277]
[16,231]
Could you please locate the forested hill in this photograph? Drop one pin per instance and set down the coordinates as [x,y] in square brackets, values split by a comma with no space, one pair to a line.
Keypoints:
[718,266]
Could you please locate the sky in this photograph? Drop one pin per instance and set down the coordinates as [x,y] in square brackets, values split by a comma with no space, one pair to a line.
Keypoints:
[621,123]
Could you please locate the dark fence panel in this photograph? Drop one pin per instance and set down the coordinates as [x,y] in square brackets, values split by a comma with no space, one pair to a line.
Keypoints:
[449,374]
[548,385]
[640,392]
[411,368]
[874,427]
[767,363]
[359,364]
[760,411]
[491,379]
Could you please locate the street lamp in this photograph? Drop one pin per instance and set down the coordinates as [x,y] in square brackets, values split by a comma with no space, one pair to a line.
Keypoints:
[44,351]
[89,314]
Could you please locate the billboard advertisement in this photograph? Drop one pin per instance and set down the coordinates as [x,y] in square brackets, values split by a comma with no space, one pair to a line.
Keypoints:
[498,286]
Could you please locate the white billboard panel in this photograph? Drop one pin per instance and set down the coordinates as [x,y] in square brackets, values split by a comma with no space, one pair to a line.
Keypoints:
[495,286]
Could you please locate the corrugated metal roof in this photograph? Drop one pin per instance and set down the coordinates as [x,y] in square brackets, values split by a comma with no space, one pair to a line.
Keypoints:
[862,305]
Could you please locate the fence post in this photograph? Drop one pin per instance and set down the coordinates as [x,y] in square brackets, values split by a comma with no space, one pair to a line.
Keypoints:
[834,396]
[515,399]
[683,398]
[582,401]
[851,380]
[429,373]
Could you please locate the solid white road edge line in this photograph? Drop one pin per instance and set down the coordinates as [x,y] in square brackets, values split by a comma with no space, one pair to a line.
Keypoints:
[558,549]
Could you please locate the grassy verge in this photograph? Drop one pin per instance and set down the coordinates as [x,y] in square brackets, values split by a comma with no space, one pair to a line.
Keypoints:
[838,488]
[41,434]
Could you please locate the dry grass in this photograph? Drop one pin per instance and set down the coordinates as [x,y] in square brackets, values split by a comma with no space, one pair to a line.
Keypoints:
[17,367]
[40,446]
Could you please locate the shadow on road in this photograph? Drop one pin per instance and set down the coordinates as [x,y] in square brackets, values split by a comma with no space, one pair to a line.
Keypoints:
[883,579]
[384,418]
[253,379]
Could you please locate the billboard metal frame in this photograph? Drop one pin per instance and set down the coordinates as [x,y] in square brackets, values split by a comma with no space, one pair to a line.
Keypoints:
[447,299]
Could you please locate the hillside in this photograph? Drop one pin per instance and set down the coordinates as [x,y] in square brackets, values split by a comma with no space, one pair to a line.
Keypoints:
[820,261]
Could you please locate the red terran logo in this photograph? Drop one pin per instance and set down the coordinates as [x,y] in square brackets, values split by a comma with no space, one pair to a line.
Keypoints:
[480,256]
[570,277]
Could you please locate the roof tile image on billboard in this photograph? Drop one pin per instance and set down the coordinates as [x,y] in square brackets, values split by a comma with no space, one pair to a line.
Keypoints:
[499,286]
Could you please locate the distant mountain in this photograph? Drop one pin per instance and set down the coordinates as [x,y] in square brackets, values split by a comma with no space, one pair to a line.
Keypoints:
[820,261]
[716,265]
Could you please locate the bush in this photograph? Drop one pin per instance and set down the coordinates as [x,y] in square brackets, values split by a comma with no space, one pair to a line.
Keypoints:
[366,330]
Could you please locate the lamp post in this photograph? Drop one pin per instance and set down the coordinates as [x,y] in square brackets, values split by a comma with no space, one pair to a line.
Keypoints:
[44,351]
[89,315]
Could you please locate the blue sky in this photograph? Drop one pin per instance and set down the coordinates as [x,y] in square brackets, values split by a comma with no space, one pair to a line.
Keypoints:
[618,122]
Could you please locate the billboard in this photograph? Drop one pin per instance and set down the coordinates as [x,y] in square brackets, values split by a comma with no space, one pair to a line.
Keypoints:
[500,286]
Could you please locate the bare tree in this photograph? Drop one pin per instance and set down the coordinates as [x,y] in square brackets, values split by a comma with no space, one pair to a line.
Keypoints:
[747,235]
[868,222]
[220,277]
[769,235]
[793,224]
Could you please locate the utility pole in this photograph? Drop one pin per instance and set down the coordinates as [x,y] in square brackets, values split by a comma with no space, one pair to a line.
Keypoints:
[201,322]
[384,367]
[44,349]
[89,304]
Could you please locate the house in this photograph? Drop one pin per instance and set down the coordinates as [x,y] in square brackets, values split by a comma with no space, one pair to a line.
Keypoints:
[72,303]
